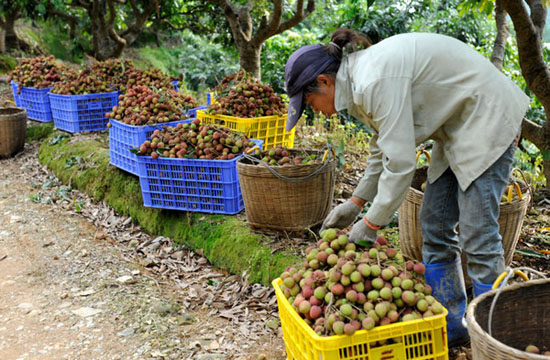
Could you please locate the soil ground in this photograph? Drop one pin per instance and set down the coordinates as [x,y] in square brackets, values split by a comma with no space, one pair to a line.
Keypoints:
[68,291]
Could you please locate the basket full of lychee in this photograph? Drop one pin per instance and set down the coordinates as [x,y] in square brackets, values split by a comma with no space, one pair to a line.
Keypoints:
[342,289]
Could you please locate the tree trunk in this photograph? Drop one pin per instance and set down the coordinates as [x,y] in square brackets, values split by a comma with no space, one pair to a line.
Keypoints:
[249,44]
[250,59]
[499,47]
[528,24]
[2,41]
[12,42]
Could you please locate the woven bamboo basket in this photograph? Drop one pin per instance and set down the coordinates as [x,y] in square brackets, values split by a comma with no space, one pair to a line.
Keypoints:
[410,237]
[519,318]
[13,128]
[293,198]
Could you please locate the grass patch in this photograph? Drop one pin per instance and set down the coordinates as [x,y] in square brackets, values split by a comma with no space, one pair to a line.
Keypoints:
[226,241]
[38,132]
[7,63]
[157,57]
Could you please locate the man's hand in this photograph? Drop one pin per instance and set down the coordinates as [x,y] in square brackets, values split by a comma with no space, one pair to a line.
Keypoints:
[342,215]
[362,235]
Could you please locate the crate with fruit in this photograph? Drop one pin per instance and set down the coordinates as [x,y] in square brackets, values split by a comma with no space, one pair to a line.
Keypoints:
[80,104]
[247,105]
[31,81]
[348,302]
[192,167]
[141,110]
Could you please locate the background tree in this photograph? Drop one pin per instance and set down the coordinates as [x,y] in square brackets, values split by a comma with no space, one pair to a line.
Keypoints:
[251,26]
[112,24]
[528,20]
[10,12]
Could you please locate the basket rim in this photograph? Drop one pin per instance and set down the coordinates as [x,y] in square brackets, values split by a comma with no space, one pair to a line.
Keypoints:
[360,333]
[476,328]
[526,196]
[123,124]
[81,95]
[29,87]
[235,118]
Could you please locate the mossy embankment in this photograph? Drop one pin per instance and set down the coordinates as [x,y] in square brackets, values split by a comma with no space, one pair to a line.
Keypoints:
[226,241]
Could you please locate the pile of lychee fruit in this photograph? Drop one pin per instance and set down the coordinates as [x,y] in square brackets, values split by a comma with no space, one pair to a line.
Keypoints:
[153,78]
[195,141]
[341,288]
[142,105]
[281,156]
[246,97]
[39,72]
[229,80]
[112,70]
[85,83]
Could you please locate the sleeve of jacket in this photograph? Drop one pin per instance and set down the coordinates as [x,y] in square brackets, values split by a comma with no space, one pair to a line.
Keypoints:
[368,186]
[389,103]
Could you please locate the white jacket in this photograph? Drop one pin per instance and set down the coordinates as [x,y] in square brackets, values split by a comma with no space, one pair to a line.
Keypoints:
[413,87]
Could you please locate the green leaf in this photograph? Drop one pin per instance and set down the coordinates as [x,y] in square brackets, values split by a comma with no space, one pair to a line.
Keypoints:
[529,252]
[369,3]
[341,147]
[41,8]
[545,154]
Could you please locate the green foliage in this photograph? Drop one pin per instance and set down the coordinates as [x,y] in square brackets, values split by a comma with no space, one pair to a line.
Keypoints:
[275,53]
[59,44]
[163,58]
[7,63]
[38,132]
[202,63]
[468,26]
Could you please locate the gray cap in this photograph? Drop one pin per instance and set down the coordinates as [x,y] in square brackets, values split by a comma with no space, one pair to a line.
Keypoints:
[302,68]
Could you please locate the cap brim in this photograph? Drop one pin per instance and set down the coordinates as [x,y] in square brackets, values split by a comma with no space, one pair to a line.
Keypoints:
[295,109]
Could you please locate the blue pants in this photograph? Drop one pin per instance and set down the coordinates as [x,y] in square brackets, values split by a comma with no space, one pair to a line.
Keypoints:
[476,213]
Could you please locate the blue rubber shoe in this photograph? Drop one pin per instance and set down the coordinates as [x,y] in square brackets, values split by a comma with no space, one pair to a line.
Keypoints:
[480,288]
[447,282]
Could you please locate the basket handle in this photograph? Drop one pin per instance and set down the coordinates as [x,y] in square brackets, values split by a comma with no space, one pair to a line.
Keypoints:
[501,277]
[506,275]
[9,102]
[326,160]
[420,152]
[527,183]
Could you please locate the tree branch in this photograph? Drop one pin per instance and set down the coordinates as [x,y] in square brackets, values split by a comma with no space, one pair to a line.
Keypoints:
[533,67]
[268,29]
[538,15]
[133,30]
[70,19]
[87,5]
[499,47]
[135,9]
[533,132]
[271,30]
[112,14]
[232,16]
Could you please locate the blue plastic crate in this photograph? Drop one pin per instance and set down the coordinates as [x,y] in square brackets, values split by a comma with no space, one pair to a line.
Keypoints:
[79,113]
[199,185]
[175,84]
[35,101]
[193,112]
[123,137]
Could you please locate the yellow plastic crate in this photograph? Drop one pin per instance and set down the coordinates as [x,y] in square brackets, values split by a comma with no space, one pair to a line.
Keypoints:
[269,129]
[417,339]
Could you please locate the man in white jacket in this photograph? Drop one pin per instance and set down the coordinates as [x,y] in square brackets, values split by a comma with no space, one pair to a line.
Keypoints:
[410,88]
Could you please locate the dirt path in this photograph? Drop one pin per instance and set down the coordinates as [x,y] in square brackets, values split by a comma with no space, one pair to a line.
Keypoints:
[73,289]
